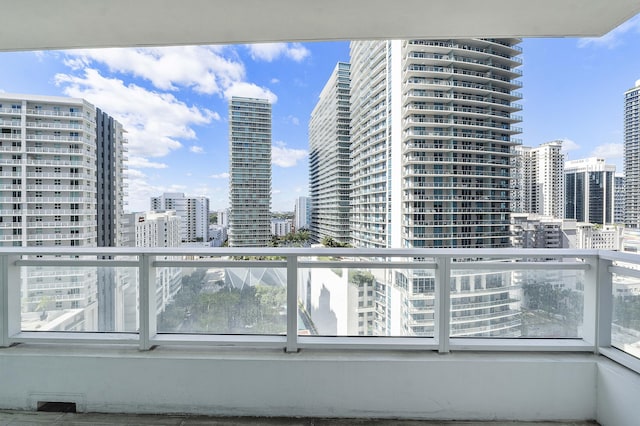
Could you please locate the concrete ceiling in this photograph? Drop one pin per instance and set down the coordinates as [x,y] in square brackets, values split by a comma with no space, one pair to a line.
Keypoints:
[64,24]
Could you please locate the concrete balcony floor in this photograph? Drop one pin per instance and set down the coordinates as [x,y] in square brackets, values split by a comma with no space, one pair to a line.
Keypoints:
[98,419]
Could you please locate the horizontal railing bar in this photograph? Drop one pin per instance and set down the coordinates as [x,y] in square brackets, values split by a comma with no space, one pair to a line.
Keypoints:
[621,270]
[520,344]
[516,266]
[369,265]
[78,263]
[319,252]
[219,264]
[74,337]
[621,357]
[258,340]
[368,342]
[619,256]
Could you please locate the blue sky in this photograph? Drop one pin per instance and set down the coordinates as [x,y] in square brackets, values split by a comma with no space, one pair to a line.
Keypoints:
[173,101]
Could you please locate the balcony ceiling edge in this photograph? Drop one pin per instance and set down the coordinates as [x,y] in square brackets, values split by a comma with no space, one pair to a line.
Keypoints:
[66,24]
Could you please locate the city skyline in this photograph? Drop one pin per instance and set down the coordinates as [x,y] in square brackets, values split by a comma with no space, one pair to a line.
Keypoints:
[172,101]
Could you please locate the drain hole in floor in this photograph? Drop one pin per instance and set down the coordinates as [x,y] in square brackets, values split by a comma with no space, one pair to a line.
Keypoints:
[57,407]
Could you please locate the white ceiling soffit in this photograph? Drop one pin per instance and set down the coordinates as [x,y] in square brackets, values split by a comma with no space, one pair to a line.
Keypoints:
[63,24]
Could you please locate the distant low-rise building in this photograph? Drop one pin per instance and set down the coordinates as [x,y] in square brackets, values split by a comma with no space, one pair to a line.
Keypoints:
[281,227]
[192,211]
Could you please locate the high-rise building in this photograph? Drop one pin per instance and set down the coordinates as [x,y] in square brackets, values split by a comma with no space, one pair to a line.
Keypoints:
[329,159]
[192,211]
[110,157]
[430,166]
[431,141]
[249,172]
[61,173]
[589,190]
[223,218]
[632,156]
[619,198]
[302,213]
[538,180]
[111,190]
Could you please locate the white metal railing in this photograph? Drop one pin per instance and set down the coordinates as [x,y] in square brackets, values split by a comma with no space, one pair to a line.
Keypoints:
[445,296]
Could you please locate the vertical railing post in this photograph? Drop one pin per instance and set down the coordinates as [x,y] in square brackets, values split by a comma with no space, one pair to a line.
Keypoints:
[597,303]
[443,302]
[604,306]
[4,302]
[10,312]
[147,300]
[292,304]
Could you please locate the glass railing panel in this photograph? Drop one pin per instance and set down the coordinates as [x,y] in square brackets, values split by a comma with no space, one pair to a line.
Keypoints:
[221,300]
[625,327]
[539,303]
[79,299]
[367,300]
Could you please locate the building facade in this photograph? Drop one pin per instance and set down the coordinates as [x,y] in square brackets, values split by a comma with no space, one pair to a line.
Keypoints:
[430,166]
[619,197]
[329,141]
[632,156]
[589,190]
[249,172]
[62,186]
[538,180]
[192,211]
[281,227]
[302,213]
[154,229]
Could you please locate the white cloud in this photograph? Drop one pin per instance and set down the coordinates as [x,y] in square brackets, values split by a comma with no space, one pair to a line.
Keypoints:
[286,157]
[613,38]
[609,151]
[269,52]
[275,191]
[275,81]
[143,163]
[201,68]
[220,176]
[293,120]
[569,145]
[154,121]
[133,173]
[196,149]
[250,90]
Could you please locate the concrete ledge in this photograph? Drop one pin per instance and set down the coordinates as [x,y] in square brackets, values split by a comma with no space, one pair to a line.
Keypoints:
[360,384]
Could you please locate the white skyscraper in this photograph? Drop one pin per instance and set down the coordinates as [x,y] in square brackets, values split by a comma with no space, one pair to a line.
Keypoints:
[329,159]
[249,172]
[192,211]
[430,166]
[632,156]
[431,141]
[62,183]
[538,181]
[302,213]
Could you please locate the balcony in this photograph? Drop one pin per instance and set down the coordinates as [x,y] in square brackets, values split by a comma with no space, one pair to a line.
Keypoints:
[503,334]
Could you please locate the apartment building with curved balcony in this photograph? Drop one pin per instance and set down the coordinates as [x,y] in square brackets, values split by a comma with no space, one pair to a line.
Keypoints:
[432,142]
